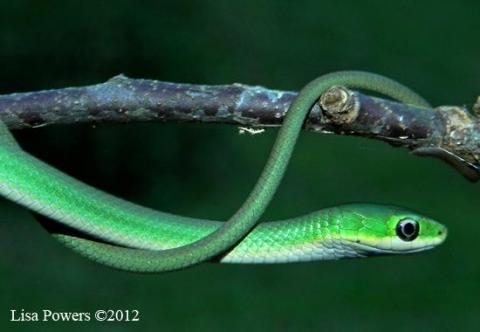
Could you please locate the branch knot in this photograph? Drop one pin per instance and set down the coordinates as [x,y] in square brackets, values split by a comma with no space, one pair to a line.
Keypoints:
[339,105]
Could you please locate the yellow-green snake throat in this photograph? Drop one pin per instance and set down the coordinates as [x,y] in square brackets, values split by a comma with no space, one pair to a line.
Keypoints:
[126,236]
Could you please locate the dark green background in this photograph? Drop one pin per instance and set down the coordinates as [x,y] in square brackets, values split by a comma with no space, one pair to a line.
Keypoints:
[207,170]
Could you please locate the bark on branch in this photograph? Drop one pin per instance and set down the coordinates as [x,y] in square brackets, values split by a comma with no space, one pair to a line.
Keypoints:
[447,132]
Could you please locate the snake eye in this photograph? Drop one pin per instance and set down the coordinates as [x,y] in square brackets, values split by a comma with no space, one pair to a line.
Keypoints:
[407,229]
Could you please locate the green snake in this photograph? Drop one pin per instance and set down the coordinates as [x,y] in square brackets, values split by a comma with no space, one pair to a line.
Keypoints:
[126,236]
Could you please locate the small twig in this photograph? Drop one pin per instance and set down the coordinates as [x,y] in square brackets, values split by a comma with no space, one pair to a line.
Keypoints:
[251,131]
[448,132]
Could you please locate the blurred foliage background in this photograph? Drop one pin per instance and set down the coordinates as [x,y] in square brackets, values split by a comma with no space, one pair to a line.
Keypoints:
[207,170]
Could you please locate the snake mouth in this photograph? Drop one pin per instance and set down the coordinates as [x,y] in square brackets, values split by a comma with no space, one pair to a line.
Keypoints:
[369,250]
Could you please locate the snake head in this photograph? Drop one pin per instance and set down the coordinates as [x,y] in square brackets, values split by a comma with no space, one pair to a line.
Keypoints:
[382,230]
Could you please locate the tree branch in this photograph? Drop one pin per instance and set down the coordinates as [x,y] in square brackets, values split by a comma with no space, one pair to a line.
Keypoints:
[450,133]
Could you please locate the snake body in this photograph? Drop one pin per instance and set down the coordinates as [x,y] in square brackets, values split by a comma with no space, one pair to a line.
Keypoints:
[135,238]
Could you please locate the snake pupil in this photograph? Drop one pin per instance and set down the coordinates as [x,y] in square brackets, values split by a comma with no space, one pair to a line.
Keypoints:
[407,229]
